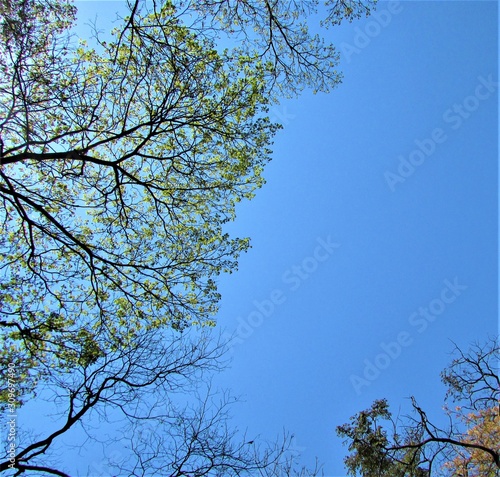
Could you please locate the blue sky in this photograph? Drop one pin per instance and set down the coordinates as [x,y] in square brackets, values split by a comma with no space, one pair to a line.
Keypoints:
[375,237]
[419,83]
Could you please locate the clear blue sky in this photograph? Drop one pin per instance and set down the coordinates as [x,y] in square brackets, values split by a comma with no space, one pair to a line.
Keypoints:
[375,237]
[413,77]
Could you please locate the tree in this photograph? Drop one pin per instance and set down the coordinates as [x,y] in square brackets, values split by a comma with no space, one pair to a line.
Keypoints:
[157,404]
[381,445]
[483,428]
[121,162]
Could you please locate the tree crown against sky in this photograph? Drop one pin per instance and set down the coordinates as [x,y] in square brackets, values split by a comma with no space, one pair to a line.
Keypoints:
[121,160]
[382,445]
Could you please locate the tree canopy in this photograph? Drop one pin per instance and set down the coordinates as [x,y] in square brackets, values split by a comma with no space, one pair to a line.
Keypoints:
[483,429]
[122,157]
[382,445]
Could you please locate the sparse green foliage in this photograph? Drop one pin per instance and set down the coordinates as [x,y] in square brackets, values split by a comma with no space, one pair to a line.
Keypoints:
[120,166]
[373,453]
[122,158]
[350,10]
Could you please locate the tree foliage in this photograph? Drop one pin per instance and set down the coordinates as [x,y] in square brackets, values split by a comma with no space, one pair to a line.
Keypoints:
[122,159]
[483,429]
[381,445]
